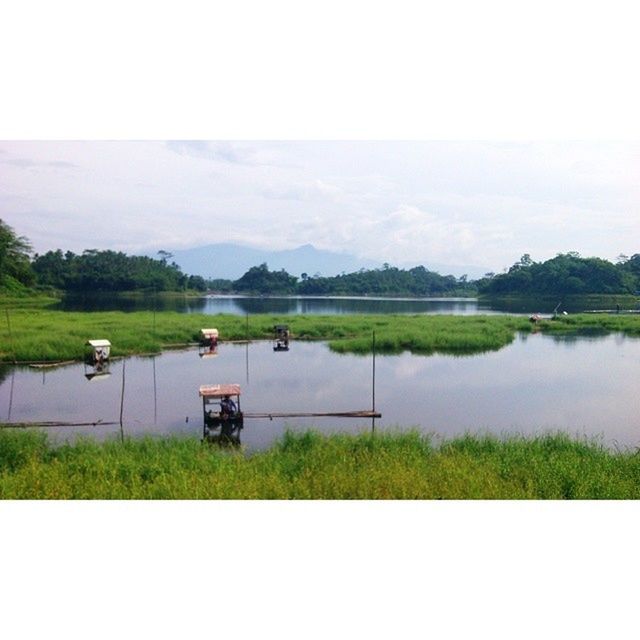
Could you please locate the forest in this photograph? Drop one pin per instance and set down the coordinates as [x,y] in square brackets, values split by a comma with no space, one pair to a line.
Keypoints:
[94,270]
[566,274]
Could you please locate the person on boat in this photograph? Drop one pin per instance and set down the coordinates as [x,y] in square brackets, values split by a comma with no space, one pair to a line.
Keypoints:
[228,407]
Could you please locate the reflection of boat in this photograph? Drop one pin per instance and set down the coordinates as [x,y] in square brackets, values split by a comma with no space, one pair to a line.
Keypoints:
[221,419]
[97,375]
[208,343]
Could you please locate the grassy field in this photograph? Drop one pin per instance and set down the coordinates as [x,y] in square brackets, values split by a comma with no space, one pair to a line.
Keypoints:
[313,466]
[35,333]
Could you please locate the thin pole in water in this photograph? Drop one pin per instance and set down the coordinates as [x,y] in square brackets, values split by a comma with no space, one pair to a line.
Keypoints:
[124,364]
[247,348]
[13,375]
[155,394]
[373,382]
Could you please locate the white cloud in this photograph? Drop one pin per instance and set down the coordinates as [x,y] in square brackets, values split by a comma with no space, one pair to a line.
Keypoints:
[421,202]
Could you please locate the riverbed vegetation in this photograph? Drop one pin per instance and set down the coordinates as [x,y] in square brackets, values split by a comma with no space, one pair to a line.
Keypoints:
[37,334]
[308,465]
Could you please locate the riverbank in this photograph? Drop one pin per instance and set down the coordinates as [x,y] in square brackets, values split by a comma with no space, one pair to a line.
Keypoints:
[313,466]
[35,334]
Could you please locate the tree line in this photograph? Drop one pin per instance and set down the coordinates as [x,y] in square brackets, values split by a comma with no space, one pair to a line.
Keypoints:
[566,274]
[94,270]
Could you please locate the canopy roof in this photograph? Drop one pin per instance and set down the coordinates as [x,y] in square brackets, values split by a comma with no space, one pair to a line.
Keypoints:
[99,343]
[219,390]
[209,332]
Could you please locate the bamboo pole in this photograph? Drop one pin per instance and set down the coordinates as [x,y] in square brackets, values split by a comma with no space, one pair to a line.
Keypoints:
[373,383]
[124,364]
[318,414]
[26,425]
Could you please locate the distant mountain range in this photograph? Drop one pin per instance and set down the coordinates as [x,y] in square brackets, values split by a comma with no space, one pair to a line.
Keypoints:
[231,261]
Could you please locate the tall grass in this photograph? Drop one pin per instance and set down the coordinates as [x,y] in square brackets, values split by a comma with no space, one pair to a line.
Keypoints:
[312,466]
[39,334]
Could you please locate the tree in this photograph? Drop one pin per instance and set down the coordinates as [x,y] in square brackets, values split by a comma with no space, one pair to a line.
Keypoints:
[14,257]
[165,256]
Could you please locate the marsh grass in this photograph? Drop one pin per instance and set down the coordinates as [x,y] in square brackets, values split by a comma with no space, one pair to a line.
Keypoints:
[40,334]
[312,466]
[45,335]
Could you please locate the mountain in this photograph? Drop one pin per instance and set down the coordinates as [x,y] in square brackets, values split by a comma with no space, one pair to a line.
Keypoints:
[231,261]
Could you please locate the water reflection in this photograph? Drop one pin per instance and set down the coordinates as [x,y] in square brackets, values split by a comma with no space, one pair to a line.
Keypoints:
[582,385]
[242,305]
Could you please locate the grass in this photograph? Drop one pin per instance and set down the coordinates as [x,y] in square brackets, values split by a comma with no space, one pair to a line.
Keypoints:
[32,332]
[313,466]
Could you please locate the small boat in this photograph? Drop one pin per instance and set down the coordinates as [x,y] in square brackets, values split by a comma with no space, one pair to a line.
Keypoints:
[222,415]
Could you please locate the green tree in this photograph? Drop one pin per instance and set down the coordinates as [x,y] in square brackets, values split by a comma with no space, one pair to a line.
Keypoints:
[14,257]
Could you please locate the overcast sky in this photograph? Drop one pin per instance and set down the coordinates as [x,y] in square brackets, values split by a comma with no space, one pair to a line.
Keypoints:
[452,203]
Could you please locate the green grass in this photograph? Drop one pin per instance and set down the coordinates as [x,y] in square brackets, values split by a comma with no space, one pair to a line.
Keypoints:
[41,334]
[38,334]
[313,466]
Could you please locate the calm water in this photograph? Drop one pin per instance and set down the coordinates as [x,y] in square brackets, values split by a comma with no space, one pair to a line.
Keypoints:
[240,305]
[581,385]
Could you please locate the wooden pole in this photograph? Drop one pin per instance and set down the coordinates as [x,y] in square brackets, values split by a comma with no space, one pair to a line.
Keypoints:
[155,394]
[124,364]
[315,414]
[13,375]
[373,383]
[247,349]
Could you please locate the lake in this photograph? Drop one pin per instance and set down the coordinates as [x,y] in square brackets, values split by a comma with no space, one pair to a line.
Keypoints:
[284,305]
[583,385]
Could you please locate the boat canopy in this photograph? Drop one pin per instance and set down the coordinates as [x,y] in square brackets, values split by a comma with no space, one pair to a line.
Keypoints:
[209,333]
[98,343]
[219,390]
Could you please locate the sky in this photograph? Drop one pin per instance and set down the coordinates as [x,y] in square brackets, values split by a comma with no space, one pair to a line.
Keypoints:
[411,202]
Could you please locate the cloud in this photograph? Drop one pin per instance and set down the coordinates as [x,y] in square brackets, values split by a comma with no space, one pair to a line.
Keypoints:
[302,192]
[227,152]
[449,203]
[26,163]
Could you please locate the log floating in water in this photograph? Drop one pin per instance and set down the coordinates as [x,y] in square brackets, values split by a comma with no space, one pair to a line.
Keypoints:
[335,414]
[50,365]
[26,425]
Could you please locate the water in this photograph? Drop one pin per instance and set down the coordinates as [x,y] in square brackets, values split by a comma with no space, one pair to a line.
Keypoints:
[242,305]
[585,386]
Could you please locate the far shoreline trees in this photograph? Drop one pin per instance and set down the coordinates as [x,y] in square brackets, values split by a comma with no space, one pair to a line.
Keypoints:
[112,271]
[566,274]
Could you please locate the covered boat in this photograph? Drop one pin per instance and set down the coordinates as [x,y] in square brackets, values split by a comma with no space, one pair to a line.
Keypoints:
[221,410]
